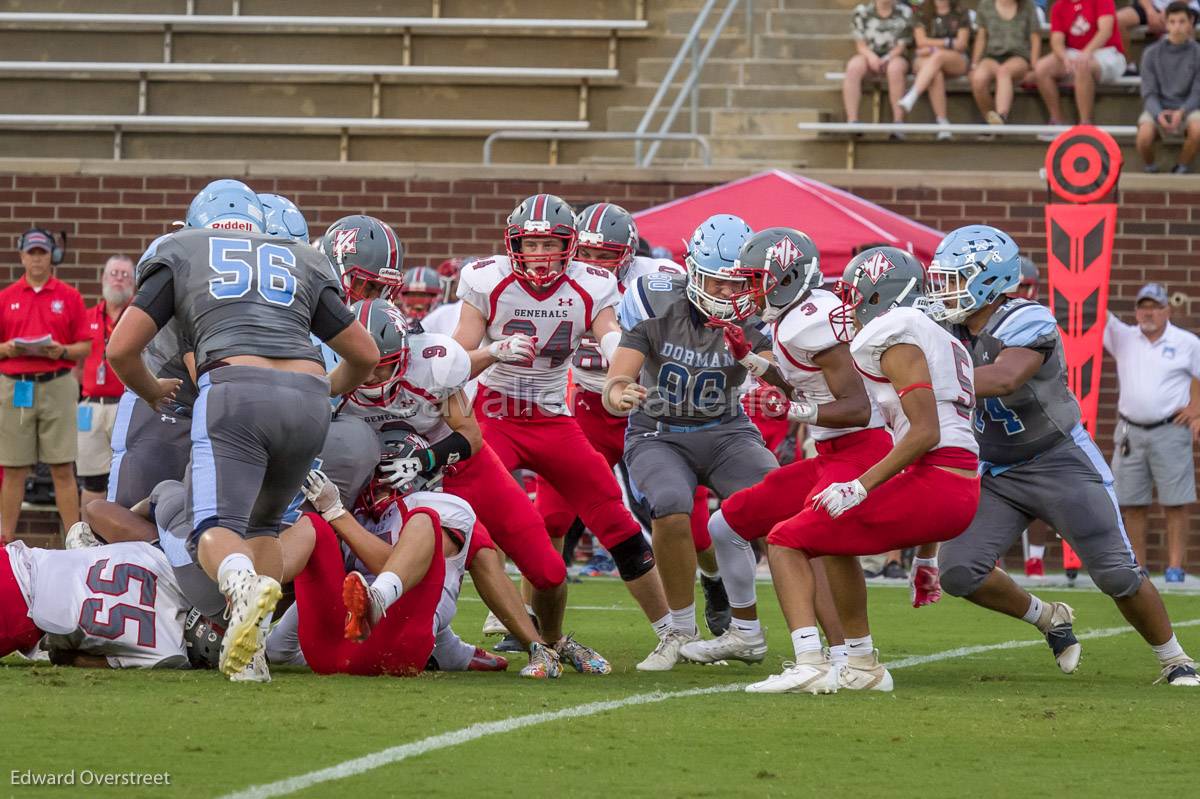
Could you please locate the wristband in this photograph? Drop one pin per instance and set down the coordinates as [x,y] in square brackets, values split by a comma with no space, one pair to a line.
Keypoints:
[755,364]
[609,343]
[451,449]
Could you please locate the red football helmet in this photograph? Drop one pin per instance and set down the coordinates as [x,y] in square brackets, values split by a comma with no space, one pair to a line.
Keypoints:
[540,216]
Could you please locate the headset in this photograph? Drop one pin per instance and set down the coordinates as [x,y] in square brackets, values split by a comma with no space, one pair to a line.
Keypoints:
[58,244]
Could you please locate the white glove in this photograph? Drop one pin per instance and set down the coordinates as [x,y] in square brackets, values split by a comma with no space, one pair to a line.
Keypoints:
[802,412]
[517,348]
[400,472]
[840,497]
[323,494]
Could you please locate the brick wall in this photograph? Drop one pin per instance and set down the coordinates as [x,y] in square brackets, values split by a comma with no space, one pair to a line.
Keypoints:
[1158,234]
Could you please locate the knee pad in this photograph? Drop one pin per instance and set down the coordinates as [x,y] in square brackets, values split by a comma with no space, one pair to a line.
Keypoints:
[633,557]
[960,581]
[96,483]
[1120,582]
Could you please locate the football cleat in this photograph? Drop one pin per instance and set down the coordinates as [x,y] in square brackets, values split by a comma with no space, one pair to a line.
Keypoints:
[1035,567]
[600,564]
[493,626]
[1061,637]
[361,610]
[80,536]
[1175,575]
[251,598]
[864,673]
[543,663]
[484,660]
[716,605]
[583,659]
[255,671]
[1179,671]
[510,643]
[814,674]
[667,653]
[923,586]
[733,644]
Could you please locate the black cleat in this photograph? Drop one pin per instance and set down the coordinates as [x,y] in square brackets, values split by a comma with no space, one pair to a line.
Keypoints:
[716,605]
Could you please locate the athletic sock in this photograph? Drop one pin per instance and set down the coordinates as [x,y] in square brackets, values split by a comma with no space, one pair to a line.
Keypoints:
[684,620]
[908,100]
[860,647]
[529,610]
[384,592]
[232,563]
[927,562]
[805,641]
[837,654]
[1171,649]
[748,626]
[1037,551]
[711,575]
[1034,614]
[662,626]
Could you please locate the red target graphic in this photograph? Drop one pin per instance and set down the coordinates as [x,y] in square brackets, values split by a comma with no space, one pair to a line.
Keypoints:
[1083,164]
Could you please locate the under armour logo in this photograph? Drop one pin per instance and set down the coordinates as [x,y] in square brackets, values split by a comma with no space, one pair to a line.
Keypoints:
[877,266]
[168,419]
[566,301]
[16,306]
[345,241]
[986,357]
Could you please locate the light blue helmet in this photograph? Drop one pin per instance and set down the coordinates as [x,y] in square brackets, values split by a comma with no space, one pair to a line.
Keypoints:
[713,252]
[226,205]
[283,218]
[973,267]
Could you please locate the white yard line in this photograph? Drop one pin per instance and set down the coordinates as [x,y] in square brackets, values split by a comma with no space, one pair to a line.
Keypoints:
[569,605]
[484,729]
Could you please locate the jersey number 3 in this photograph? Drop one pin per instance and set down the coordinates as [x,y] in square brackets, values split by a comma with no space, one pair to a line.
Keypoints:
[238,261]
[119,615]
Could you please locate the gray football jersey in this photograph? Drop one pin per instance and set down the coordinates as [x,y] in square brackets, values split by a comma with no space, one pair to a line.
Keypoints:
[243,294]
[348,458]
[690,374]
[1039,414]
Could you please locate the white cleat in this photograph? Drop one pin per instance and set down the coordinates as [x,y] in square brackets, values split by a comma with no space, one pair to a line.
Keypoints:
[255,671]
[1179,672]
[493,626]
[733,644]
[80,536]
[667,653]
[865,673]
[251,598]
[1061,637]
[814,675]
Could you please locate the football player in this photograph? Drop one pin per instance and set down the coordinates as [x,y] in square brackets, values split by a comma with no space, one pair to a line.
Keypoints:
[420,293]
[246,303]
[368,257]
[675,368]
[1035,452]
[444,316]
[920,379]
[523,317]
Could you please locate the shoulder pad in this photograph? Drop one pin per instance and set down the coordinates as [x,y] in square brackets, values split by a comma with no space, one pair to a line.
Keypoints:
[807,326]
[483,275]
[594,279]
[649,297]
[448,363]
[455,512]
[1023,323]
[897,326]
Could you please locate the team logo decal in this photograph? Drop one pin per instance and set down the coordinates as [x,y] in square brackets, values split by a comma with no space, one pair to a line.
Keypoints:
[877,266]
[397,317]
[56,306]
[345,241]
[784,252]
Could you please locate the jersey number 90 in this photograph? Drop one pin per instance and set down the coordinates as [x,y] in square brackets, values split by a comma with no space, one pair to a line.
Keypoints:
[237,262]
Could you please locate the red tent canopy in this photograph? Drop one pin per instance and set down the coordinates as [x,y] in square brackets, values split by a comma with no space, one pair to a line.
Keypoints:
[836,220]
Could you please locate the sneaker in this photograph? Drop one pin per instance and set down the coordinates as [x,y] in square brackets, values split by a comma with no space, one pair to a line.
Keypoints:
[251,597]
[583,659]
[80,536]
[944,135]
[1180,671]
[255,671]
[1180,169]
[493,626]
[1150,169]
[923,586]
[667,653]
[994,118]
[1035,567]
[361,611]
[509,643]
[601,564]
[733,644]
[864,673]
[716,605]
[484,660]
[543,663]
[1175,575]
[1061,637]
[813,675]
[894,571]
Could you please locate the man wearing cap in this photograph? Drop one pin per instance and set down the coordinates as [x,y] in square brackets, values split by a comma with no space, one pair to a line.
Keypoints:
[1159,408]
[102,389]
[43,332]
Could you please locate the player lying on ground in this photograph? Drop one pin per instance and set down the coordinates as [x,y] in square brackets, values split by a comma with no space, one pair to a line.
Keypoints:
[1038,460]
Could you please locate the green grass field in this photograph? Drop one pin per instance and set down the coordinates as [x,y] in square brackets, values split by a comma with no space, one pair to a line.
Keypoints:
[998,722]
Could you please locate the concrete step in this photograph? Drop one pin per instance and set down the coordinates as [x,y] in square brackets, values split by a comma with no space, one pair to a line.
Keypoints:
[761,121]
[833,46]
[810,21]
[744,72]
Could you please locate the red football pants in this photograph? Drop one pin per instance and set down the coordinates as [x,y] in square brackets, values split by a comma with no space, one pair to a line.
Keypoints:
[920,505]
[788,490]
[17,632]
[502,506]
[399,645]
[556,448]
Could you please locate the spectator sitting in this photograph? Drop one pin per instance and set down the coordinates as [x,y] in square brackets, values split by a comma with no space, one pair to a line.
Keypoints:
[43,332]
[1008,41]
[101,388]
[1085,45]
[882,34]
[1171,89]
[943,36]
[1150,13]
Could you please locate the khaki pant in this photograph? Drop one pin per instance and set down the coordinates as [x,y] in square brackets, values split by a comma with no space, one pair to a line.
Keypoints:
[46,432]
[95,444]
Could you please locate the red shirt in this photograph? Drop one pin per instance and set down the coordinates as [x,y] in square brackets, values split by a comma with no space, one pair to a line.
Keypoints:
[1078,20]
[101,327]
[24,313]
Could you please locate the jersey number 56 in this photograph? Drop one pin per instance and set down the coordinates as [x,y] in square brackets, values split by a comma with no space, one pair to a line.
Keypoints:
[238,264]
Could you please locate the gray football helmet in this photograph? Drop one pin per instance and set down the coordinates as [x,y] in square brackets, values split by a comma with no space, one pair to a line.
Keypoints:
[540,215]
[366,252]
[389,328]
[876,281]
[608,227]
[781,266]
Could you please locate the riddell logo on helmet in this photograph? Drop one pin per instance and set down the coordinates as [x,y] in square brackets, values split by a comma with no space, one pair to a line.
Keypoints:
[877,266]
[233,224]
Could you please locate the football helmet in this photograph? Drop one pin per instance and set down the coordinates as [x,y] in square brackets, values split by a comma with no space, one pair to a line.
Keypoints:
[608,227]
[972,267]
[283,218]
[421,292]
[876,281]
[366,252]
[1031,280]
[202,639]
[781,266]
[448,271]
[397,442]
[542,215]
[713,252]
[389,329]
[226,204]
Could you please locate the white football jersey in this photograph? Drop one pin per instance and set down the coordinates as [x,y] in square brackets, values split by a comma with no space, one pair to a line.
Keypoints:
[442,319]
[558,319]
[589,368]
[950,371]
[120,601]
[804,331]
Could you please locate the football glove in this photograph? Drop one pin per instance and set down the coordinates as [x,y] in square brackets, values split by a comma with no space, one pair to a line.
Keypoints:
[320,491]
[517,348]
[840,497]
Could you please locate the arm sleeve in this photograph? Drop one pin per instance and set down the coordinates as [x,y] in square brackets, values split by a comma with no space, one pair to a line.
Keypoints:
[636,339]
[330,316]
[156,294]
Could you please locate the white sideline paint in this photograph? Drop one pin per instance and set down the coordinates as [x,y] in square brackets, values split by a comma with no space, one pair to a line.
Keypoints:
[484,729]
[572,607]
